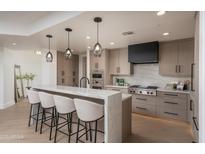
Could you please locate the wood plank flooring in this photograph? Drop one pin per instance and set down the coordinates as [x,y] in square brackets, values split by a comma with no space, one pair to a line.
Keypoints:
[145,129]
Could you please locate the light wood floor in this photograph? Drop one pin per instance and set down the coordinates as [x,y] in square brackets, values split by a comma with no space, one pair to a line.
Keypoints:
[14,121]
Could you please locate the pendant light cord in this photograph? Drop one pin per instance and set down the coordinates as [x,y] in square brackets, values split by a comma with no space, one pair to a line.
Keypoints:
[49,43]
[97,33]
[68,40]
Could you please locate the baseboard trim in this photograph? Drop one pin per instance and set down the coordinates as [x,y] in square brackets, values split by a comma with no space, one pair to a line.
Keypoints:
[6,105]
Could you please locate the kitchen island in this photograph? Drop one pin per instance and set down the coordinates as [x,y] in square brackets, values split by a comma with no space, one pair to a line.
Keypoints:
[112,101]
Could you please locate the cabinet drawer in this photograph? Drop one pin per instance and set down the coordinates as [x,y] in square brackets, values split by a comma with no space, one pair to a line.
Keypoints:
[144,99]
[173,113]
[172,95]
[143,108]
[173,104]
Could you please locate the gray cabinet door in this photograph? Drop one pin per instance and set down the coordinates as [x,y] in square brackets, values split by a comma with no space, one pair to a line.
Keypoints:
[185,57]
[176,58]
[118,62]
[168,58]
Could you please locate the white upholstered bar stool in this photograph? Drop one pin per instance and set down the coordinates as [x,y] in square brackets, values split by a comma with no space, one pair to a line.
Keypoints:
[88,112]
[34,100]
[64,106]
[47,103]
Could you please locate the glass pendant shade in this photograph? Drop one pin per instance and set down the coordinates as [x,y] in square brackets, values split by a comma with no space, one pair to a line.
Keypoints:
[49,55]
[97,49]
[68,53]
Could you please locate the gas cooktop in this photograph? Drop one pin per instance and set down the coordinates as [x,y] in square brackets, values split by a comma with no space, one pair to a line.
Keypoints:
[143,90]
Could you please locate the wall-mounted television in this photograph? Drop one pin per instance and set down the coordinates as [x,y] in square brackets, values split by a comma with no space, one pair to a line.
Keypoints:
[144,53]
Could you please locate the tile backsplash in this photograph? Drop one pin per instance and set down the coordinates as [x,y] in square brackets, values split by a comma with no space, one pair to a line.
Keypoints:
[148,74]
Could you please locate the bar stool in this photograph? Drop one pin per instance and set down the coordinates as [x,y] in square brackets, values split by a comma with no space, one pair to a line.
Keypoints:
[64,106]
[47,103]
[88,112]
[34,100]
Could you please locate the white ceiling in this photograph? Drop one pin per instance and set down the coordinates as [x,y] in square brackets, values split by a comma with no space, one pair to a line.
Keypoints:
[147,26]
[25,23]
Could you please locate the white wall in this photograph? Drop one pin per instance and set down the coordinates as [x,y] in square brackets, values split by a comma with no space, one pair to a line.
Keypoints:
[30,63]
[1,76]
[202,76]
[148,74]
[49,70]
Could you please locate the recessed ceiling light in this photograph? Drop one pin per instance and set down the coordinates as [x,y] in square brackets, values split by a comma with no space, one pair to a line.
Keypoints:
[87,37]
[89,47]
[166,33]
[13,43]
[38,52]
[112,43]
[160,13]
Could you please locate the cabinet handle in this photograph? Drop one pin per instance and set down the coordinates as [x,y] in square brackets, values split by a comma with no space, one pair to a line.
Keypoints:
[171,103]
[170,94]
[171,113]
[179,68]
[190,105]
[195,124]
[176,69]
[142,108]
[192,77]
[143,99]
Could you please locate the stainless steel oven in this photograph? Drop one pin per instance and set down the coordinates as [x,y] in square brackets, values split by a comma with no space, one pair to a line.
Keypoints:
[97,79]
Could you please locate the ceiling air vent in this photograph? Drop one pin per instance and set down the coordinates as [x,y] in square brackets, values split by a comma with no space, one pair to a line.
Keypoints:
[127,33]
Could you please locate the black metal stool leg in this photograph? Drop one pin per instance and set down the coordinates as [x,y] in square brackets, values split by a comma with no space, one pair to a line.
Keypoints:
[71,120]
[96,127]
[57,118]
[52,118]
[86,131]
[43,114]
[90,130]
[68,125]
[78,130]
[37,118]
[29,121]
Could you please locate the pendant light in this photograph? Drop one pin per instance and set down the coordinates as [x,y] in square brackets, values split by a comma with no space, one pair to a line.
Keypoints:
[97,50]
[68,52]
[49,56]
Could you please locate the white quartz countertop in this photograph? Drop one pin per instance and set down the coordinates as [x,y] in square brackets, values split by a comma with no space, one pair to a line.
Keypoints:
[87,92]
[115,86]
[172,90]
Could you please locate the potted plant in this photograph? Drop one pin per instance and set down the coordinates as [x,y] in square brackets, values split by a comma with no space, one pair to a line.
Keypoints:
[29,77]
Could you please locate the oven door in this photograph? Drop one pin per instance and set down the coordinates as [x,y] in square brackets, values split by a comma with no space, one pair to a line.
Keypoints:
[97,76]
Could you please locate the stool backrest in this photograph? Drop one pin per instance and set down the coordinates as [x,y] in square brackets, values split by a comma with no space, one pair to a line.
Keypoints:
[47,100]
[87,110]
[33,97]
[64,105]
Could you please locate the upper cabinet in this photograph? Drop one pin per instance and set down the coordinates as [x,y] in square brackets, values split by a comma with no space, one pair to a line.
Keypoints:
[67,70]
[176,57]
[98,63]
[118,62]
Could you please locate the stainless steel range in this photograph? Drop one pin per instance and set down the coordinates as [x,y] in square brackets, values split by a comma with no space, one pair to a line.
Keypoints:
[137,89]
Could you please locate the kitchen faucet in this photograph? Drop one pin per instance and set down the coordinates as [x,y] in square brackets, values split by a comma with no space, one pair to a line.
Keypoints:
[84,78]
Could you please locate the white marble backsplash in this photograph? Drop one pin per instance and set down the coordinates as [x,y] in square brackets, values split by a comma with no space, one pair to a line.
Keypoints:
[148,74]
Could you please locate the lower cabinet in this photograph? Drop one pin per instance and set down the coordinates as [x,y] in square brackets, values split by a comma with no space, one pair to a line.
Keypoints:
[168,105]
[144,104]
